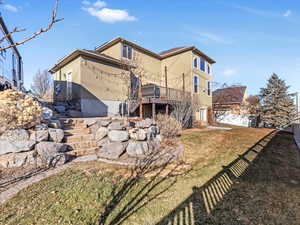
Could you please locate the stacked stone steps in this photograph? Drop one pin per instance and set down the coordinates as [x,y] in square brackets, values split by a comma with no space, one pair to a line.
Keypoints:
[75,131]
[78,137]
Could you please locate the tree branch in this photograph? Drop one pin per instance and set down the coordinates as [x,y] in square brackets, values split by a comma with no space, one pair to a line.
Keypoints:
[35,34]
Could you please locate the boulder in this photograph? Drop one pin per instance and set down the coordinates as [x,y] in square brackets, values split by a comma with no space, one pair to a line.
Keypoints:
[111,150]
[42,126]
[90,122]
[40,135]
[56,135]
[55,124]
[138,149]
[75,113]
[101,133]
[152,131]
[118,135]
[103,142]
[116,125]
[105,123]
[15,146]
[52,154]
[138,135]
[47,113]
[17,159]
[15,135]
[144,123]
[60,108]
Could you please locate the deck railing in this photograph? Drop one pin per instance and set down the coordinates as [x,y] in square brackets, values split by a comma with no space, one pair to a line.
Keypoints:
[155,91]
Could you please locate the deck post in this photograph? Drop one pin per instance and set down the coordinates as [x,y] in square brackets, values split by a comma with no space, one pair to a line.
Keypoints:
[153,111]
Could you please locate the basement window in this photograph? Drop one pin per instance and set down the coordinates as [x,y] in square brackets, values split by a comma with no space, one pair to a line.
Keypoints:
[127,51]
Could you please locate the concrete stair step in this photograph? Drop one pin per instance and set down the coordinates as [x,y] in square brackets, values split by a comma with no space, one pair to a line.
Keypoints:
[83,145]
[78,138]
[85,151]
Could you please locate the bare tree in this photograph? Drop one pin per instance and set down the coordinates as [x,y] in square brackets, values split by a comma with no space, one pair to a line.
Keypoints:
[42,84]
[252,104]
[54,20]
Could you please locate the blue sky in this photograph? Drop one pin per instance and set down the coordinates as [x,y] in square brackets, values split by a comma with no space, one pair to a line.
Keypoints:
[249,39]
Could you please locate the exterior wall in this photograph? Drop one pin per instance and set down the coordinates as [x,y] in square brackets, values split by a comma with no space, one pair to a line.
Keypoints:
[151,67]
[60,85]
[176,66]
[104,88]
[204,78]
[114,51]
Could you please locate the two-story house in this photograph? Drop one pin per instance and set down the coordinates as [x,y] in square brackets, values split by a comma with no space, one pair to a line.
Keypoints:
[120,76]
[11,65]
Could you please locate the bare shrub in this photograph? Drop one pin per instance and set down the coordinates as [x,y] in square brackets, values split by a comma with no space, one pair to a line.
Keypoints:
[18,110]
[169,126]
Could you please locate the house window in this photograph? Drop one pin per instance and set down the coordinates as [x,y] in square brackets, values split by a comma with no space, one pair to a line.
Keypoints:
[202,64]
[195,62]
[202,114]
[208,88]
[127,52]
[196,83]
[208,68]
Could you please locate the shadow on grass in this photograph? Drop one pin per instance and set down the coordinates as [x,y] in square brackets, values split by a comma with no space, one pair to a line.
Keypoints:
[204,199]
[147,181]
[22,176]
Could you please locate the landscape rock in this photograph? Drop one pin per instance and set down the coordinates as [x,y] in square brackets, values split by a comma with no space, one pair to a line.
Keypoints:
[101,133]
[105,123]
[15,135]
[89,122]
[17,159]
[112,150]
[103,142]
[55,124]
[60,108]
[118,135]
[15,146]
[56,135]
[52,154]
[42,126]
[138,135]
[75,113]
[144,123]
[40,135]
[47,113]
[152,131]
[116,125]
[138,149]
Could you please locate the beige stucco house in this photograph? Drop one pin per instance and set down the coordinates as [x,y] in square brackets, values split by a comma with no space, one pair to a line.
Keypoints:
[106,81]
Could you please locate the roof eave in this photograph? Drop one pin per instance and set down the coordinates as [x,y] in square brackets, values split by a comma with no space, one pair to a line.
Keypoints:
[79,52]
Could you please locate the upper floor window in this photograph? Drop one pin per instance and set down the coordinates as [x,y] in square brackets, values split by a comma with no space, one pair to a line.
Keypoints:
[127,51]
[195,62]
[208,88]
[196,83]
[202,64]
[208,68]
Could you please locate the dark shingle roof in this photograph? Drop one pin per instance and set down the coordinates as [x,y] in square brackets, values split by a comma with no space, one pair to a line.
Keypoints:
[229,95]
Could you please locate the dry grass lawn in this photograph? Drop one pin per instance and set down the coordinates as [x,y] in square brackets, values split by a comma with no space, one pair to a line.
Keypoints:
[80,194]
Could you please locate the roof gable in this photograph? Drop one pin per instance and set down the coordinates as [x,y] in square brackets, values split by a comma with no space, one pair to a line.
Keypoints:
[230,95]
[162,55]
